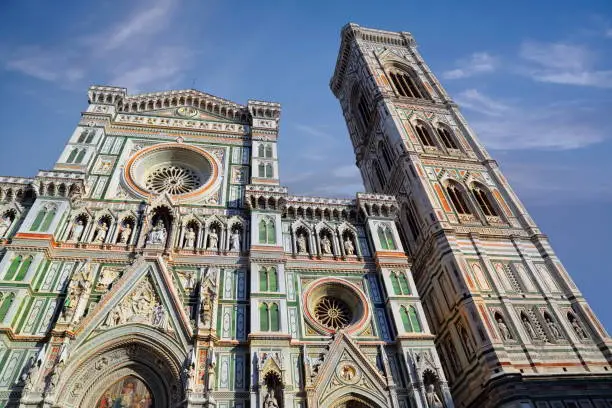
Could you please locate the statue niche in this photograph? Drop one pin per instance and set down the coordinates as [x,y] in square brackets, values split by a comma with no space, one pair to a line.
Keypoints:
[272,391]
[161,225]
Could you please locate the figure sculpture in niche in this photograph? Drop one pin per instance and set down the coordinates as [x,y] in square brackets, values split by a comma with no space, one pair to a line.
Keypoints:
[125,234]
[270,400]
[213,240]
[554,330]
[503,329]
[77,231]
[102,232]
[579,330]
[159,317]
[77,289]
[211,372]
[207,308]
[326,245]
[235,242]
[528,327]
[190,236]
[433,401]
[349,248]
[158,234]
[5,224]
[301,243]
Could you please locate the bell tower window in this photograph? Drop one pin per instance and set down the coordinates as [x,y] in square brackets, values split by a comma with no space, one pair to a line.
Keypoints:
[456,196]
[406,84]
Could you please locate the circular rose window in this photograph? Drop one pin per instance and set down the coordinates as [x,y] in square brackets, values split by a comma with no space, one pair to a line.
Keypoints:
[332,304]
[173,168]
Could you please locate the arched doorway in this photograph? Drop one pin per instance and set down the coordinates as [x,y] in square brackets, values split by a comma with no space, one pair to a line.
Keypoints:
[354,401]
[130,370]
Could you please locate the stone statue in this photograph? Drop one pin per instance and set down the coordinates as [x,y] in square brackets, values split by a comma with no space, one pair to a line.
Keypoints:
[190,237]
[190,374]
[349,248]
[235,241]
[301,244]
[554,330]
[101,234]
[125,234]
[503,329]
[206,308]
[270,400]
[528,327]
[579,330]
[159,317]
[326,245]
[158,234]
[189,282]
[213,240]
[77,290]
[77,231]
[107,277]
[433,401]
[5,224]
[211,372]
[55,377]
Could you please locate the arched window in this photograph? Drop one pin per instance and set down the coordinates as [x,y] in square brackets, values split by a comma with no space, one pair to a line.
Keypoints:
[482,198]
[386,238]
[274,317]
[82,136]
[360,109]
[272,280]
[456,196]
[261,170]
[263,280]
[269,171]
[23,269]
[12,270]
[72,155]
[264,322]
[261,150]
[81,156]
[424,135]
[414,229]
[406,83]
[267,231]
[42,213]
[384,152]
[48,219]
[447,138]
[403,281]
[379,174]
[269,151]
[90,136]
[410,319]
[395,284]
[6,305]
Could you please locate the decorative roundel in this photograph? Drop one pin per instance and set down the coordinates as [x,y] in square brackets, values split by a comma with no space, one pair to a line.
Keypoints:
[332,304]
[187,111]
[175,168]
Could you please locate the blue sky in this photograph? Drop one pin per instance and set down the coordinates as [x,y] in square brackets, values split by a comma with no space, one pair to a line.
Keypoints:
[534,79]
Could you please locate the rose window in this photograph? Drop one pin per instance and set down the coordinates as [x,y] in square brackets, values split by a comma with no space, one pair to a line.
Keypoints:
[173,180]
[332,313]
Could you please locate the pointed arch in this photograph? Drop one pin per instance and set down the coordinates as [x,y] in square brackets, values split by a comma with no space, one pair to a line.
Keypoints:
[269,171]
[383,151]
[406,319]
[405,81]
[42,213]
[404,285]
[484,199]
[264,322]
[6,305]
[48,219]
[446,135]
[274,317]
[263,279]
[395,284]
[13,267]
[80,156]
[23,269]
[269,152]
[72,155]
[457,197]
[415,322]
[261,170]
[272,280]
[382,181]
[424,134]
[263,233]
[90,136]
[261,150]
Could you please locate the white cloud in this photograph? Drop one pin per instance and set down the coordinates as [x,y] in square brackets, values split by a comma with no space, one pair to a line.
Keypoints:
[316,131]
[476,101]
[562,63]
[135,52]
[502,126]
[477,63]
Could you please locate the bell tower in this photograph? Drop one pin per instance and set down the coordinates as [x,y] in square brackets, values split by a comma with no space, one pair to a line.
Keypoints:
[512,329]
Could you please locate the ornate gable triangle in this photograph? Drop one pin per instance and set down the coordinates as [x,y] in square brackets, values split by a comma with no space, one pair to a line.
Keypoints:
[346,366]
[144,295]
[158,200]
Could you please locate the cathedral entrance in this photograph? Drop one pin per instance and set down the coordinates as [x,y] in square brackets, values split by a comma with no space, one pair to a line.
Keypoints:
[129,392]
[353,401]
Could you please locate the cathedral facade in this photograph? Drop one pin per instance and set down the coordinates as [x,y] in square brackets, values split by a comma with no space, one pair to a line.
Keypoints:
[160,263]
